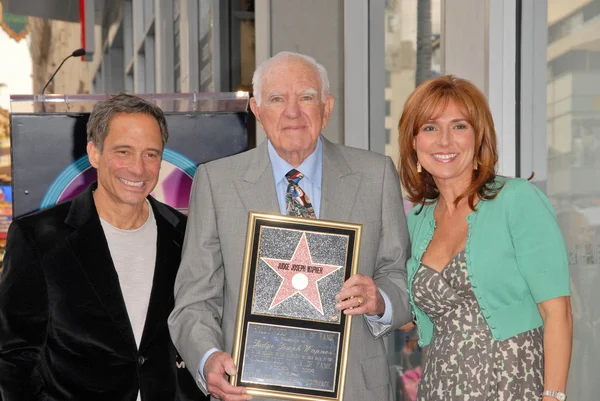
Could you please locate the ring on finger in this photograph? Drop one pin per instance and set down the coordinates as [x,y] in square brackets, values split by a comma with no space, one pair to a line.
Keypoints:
[360,300]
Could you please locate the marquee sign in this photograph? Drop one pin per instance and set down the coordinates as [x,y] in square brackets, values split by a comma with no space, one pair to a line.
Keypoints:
[14,25]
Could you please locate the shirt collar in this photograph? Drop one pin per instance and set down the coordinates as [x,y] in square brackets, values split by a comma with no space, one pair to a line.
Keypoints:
[310,167]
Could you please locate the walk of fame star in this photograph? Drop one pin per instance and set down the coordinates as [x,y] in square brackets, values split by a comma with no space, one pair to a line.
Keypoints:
[300,275]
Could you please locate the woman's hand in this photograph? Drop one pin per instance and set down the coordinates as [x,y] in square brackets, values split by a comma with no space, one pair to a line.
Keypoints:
[408,326]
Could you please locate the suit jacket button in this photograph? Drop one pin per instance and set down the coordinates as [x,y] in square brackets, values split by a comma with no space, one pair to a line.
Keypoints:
[141,360]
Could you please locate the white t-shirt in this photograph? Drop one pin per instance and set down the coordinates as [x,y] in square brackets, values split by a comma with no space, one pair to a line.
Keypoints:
[134,255]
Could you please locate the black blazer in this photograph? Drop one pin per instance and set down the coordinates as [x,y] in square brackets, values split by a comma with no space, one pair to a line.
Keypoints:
[64,329]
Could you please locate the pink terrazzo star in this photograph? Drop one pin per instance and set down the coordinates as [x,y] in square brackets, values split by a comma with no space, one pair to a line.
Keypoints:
[300,275]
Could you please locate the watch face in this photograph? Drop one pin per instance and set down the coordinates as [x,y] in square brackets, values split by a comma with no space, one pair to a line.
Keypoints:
[562,397]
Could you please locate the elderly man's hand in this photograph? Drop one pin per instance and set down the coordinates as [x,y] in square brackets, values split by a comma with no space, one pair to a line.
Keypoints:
[217,365]
[359,295]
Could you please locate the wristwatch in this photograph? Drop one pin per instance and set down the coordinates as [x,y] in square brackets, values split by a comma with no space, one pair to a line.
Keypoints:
[556,394]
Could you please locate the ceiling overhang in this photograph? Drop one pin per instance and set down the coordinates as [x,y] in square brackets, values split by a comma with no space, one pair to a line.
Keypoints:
[63,10]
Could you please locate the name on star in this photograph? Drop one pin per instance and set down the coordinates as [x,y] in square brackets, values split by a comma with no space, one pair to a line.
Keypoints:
[300,268]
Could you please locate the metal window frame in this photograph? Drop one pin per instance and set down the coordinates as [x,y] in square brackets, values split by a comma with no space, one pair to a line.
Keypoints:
[502,80]
[262,18]
[165,52]
[533,140]
[364,85]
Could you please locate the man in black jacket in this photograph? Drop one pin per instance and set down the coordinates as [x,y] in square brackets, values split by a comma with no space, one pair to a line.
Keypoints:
[88,284]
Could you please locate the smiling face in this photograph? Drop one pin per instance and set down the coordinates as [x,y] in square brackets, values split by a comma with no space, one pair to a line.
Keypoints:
[129,163]
[292,112]
[445,147]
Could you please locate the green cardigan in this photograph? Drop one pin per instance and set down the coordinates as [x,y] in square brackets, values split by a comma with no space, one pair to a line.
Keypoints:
[516,258]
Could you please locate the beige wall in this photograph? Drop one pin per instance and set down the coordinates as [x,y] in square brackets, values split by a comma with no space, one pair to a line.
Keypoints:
[51,41]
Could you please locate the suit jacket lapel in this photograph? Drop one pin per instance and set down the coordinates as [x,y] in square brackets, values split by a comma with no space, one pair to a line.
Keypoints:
[256,186]
[91,251]
[168,255]
[339,186]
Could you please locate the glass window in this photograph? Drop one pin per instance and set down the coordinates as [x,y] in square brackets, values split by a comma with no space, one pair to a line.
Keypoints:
[128,29]
[177,45]
[148,14]
[412,55]
[205,37]
[409,22]
[573,132]
[226,58]
[243,56]
[244,44]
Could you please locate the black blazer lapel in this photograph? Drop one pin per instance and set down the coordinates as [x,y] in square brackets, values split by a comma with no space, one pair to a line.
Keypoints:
[170,232]
[90,248]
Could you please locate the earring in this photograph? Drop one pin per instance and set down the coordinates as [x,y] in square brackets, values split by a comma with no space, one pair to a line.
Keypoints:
[475,164]
[419,168]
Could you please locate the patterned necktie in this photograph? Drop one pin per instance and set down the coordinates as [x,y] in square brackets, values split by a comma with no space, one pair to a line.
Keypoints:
[296,201]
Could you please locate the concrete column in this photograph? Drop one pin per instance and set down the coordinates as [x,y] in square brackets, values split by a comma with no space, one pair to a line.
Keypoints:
[189,46]
[312,27]
[163,10]
[464,40]
[479,44]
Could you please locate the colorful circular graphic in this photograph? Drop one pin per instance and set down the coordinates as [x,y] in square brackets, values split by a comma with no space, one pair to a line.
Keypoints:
[173,188]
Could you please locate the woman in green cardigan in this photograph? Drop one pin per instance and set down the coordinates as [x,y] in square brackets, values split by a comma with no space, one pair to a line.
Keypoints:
[488,277]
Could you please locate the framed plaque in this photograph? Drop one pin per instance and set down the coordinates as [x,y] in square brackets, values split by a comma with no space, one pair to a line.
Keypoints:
[290,341]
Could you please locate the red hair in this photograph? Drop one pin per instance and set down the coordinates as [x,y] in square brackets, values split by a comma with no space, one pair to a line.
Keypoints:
[427,102]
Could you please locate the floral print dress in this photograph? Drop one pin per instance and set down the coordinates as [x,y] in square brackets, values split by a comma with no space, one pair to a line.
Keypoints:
[464,362]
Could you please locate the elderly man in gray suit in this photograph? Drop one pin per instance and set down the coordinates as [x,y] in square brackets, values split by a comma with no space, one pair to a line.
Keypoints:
[293,104]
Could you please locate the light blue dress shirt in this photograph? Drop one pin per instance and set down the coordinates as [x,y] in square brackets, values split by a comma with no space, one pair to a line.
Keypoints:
[312,168]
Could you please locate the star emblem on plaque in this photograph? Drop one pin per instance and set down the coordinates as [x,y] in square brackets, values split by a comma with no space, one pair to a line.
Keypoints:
[290,341]
[300,275]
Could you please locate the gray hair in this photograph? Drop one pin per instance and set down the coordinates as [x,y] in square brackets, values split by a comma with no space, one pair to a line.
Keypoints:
[257,78]
[105,111]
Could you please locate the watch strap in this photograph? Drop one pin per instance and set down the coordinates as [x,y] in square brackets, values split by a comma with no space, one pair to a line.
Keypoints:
[560,396]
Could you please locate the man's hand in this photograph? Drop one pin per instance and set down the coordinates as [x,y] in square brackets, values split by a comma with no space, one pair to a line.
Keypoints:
[216,367]
[359,295]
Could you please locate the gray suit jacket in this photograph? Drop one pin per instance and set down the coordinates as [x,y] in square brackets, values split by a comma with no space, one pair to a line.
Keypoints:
[358,187]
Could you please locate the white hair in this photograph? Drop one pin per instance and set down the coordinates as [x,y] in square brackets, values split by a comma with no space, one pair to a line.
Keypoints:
[257,78]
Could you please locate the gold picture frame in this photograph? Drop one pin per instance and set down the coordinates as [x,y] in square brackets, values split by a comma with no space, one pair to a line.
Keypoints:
[290,342]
